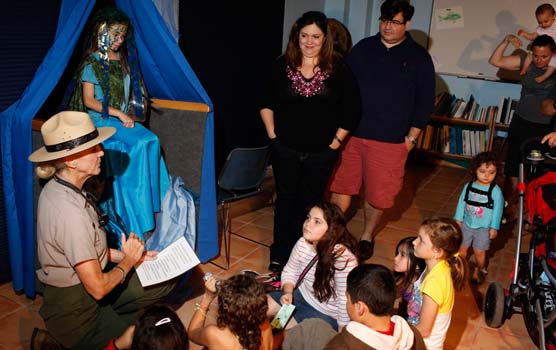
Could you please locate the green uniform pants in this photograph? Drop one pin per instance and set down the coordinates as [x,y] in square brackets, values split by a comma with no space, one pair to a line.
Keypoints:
[78,321]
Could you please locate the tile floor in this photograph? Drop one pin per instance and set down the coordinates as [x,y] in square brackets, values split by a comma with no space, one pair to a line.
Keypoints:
[428,190]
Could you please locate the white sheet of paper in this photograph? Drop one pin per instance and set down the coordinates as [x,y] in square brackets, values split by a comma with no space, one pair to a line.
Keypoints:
[176,259]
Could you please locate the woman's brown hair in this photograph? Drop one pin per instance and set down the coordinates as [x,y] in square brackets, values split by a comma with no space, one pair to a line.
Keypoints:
[328,58]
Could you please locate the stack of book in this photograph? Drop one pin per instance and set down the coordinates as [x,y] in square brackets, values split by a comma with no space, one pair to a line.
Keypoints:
[447,105]
[506,110]
[468,133]
[454,139]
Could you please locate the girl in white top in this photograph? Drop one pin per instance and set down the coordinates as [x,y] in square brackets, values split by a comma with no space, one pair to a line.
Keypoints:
[322,292]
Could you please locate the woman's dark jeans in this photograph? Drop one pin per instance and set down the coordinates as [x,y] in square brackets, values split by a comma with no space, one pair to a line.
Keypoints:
[301,179]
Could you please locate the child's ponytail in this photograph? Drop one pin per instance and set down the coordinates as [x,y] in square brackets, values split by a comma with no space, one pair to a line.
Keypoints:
[458,268]
[445,234]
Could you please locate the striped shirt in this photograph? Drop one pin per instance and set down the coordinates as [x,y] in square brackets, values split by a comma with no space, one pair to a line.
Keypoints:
[301,255]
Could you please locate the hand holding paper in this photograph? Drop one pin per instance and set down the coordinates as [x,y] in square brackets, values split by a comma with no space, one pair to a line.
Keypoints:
[176,259]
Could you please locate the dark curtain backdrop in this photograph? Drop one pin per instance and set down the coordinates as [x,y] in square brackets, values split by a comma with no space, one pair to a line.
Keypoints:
[27,29]
[231,46]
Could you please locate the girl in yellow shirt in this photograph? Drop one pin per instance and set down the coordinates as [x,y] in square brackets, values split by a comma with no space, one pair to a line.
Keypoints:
[430,307]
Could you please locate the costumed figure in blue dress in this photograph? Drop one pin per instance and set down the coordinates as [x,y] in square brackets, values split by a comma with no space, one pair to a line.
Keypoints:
[110,88]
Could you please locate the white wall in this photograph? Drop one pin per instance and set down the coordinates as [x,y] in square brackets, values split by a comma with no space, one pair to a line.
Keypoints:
[361,18]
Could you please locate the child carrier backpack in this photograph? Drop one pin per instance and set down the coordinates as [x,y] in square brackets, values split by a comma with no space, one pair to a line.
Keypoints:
[488,204]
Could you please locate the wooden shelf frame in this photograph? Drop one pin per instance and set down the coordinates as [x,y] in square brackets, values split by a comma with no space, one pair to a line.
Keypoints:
[491,126]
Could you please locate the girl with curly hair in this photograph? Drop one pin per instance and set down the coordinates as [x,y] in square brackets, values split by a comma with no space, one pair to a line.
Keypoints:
[479,211]
[241,323]
[322,291]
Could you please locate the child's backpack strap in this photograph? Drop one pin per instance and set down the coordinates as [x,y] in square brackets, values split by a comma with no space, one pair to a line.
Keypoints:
[488,204]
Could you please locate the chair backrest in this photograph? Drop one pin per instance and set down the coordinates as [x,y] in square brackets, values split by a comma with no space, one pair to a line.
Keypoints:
[244,168]
[180,126]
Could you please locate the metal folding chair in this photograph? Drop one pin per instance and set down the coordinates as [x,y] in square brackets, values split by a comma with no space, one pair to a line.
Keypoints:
[241,177]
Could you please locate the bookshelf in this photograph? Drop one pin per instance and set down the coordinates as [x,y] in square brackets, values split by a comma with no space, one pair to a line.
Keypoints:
[459,129]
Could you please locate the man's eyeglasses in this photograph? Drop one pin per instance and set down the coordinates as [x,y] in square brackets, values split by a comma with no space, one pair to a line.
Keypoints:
[394,22]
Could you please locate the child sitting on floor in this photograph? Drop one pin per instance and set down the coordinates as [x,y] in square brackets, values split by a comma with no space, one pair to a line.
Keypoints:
[407,268]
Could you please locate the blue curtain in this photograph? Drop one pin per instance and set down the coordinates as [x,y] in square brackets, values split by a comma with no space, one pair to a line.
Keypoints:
[167,75]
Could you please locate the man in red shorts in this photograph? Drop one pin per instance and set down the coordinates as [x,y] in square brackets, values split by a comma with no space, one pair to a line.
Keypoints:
[396,80]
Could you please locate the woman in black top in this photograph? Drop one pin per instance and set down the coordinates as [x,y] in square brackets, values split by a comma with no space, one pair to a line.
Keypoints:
[310,106]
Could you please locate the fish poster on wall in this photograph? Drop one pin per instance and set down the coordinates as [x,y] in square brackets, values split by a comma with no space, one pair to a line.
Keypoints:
[449,18]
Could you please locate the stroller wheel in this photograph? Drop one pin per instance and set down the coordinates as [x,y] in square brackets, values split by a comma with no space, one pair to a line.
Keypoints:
[532,317]
[531,320]
[494,305]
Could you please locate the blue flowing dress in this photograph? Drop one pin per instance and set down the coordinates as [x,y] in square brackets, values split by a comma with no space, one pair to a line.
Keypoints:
[134,165]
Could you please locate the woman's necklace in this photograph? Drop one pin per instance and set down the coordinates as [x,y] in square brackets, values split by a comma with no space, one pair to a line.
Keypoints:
[304,87]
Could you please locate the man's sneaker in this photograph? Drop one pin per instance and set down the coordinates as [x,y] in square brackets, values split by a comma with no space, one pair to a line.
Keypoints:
[547,297]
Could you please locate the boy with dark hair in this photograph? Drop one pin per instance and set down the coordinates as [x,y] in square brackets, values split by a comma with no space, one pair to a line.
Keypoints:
[371,292]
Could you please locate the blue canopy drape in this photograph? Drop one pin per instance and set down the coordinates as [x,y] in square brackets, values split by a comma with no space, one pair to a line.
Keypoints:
[167,76]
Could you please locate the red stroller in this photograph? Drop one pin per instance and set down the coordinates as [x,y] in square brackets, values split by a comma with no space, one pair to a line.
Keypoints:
[532,291]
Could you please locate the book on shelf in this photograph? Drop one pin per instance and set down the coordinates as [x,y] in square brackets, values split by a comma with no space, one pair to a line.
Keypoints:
[490,113]
[505,111]
[455,139]
[478,146]
[455,107]
[500,108]
[471,143]
[443,103]
[452,149]
[509,113]
[459,140]
[461,107]
[468,105]
[512,112]
[473,112]
[446,139]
